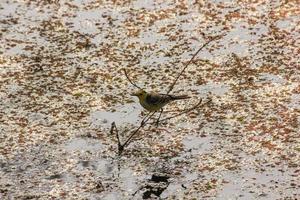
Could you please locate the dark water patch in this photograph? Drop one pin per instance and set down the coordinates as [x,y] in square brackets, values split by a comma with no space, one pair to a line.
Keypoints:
[154,187]
[159,178]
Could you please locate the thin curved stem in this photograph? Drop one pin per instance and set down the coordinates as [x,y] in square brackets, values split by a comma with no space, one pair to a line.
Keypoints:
[130,81]
[184,111]
[204,45]
[143,123]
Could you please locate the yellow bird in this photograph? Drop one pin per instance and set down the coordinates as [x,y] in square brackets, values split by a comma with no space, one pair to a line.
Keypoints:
[154,102]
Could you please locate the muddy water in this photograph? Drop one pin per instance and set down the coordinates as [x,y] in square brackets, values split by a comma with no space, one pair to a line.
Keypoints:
[62,86]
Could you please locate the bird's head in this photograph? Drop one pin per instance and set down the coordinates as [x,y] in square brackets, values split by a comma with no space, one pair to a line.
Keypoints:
[141,94]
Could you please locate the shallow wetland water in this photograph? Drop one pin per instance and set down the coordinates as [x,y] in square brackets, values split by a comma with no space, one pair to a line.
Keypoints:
[62,85]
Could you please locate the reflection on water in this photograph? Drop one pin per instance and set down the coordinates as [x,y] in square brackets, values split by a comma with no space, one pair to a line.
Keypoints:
[83,144]
[216,89]
[198,145]
[250,183]
[128,113]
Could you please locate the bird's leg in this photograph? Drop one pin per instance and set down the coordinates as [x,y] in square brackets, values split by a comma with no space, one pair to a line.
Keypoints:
[157,121]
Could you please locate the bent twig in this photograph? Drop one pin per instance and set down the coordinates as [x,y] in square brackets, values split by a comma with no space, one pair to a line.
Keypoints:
[121,146]
[129,139]
[130,81]
[186,110]
[204,45]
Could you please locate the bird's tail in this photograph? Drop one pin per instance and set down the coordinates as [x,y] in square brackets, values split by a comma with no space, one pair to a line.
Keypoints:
[180,97]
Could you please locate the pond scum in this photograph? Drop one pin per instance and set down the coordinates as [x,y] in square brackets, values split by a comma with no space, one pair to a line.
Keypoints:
[66,112]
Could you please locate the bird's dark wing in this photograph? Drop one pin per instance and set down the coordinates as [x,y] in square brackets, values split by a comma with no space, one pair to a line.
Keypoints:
[153,99]
[174,97]
[156,99]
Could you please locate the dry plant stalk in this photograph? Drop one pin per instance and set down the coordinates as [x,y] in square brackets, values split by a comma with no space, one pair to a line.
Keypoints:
[130,81]
[143,123]
[121,146]
[190,61]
